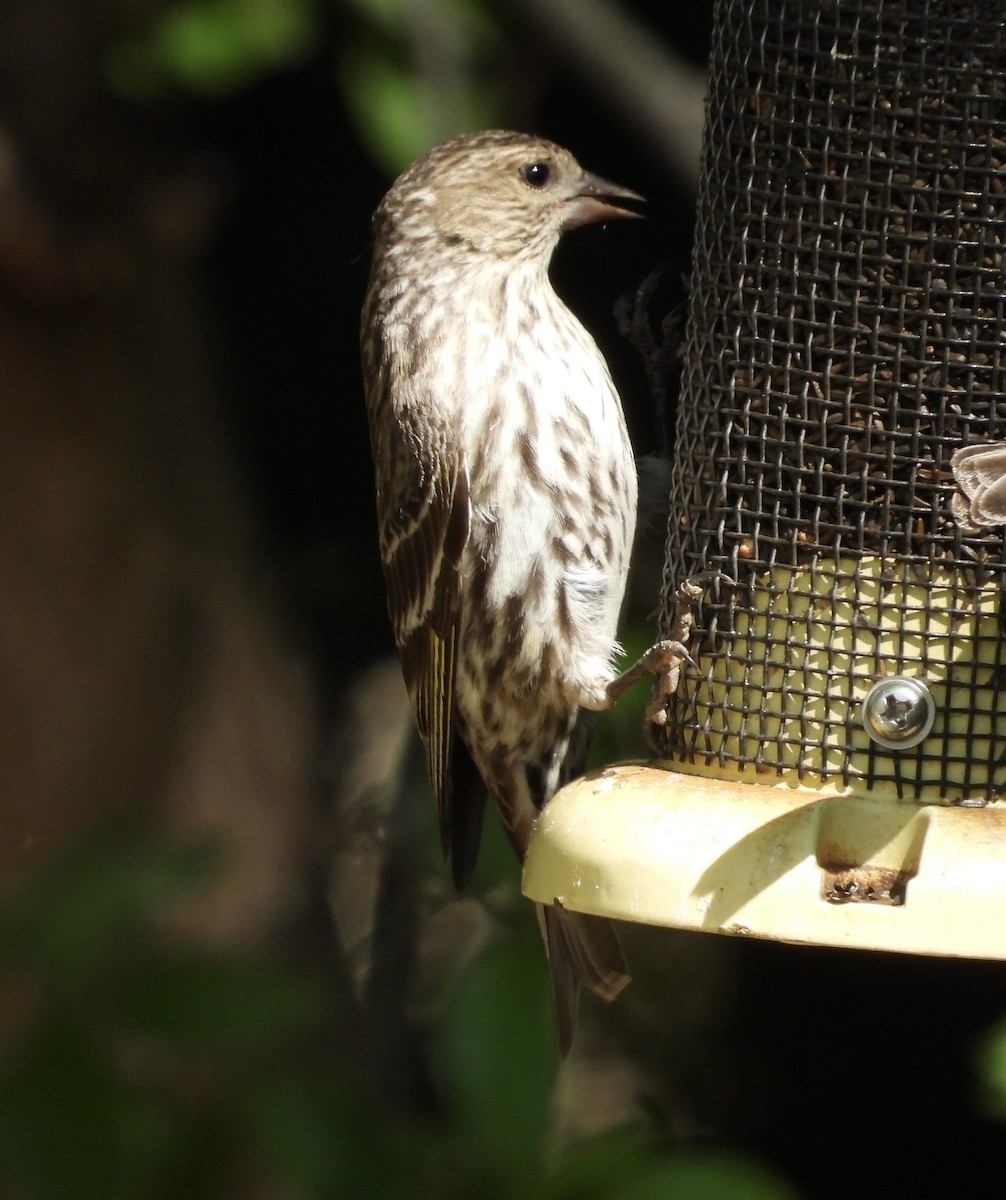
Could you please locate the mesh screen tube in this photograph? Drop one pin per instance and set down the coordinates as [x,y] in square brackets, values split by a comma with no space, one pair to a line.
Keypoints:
[845,335]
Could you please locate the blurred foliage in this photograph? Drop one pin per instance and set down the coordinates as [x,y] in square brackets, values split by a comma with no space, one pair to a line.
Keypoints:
[411,74]
[415,74]
[990,1067]
[214,47]
[137,1063]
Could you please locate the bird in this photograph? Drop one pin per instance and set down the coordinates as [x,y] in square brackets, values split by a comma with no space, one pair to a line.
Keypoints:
[980,472]
[506,498]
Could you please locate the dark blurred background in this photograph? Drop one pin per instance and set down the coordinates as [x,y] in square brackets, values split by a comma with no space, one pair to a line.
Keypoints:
[231,962]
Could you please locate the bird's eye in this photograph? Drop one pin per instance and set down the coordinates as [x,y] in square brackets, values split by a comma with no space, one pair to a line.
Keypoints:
[535,174]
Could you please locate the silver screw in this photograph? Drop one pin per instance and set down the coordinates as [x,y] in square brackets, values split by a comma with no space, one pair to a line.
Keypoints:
[898,712]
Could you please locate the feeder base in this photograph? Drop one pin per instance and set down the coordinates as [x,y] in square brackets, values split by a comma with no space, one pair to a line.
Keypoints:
[646,843]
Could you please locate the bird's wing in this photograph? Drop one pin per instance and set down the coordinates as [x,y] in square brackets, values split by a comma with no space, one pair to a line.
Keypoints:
[423,513]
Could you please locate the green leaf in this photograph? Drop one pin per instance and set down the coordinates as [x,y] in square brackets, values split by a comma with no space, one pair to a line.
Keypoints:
[212,47]
[595,1170]
[76,906]
[500,1055]
[323,1138]
[71,1128]
[210,997]
[990,1063]
[468,19]
[401,112]
[387,15]
[708,1175]
[387,105]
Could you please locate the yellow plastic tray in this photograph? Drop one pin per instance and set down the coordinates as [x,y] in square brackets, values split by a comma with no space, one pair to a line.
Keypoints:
[646,843]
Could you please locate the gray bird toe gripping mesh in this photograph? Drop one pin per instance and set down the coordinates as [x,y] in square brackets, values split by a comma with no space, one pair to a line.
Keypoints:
[845,336]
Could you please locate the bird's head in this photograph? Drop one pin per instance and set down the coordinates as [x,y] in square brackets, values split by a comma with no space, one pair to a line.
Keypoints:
[503,195]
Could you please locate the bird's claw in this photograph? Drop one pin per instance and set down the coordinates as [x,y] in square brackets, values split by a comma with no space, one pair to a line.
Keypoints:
[669,654]
[664,656]
[667,657]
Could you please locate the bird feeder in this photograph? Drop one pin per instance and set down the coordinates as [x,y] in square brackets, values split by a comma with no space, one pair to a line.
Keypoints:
[831,766]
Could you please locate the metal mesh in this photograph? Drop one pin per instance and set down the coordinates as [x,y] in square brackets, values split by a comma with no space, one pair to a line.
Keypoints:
[845,336]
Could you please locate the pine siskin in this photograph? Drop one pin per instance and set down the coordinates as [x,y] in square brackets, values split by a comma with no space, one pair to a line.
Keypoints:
[506,497]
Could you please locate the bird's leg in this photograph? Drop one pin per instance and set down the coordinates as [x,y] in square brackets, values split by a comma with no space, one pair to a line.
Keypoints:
[664,659]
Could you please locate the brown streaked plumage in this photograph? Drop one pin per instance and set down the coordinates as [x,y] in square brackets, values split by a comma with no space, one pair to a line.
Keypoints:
[506,496]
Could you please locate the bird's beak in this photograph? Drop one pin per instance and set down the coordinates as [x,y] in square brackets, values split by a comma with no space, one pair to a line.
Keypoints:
[595,199]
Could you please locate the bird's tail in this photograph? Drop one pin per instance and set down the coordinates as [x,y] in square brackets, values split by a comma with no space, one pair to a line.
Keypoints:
[583,951]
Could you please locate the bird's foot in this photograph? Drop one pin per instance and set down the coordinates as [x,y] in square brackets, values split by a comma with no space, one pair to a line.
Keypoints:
[663,659]
[667,656]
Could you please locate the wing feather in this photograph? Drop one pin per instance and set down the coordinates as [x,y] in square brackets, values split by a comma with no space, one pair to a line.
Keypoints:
[423,513]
